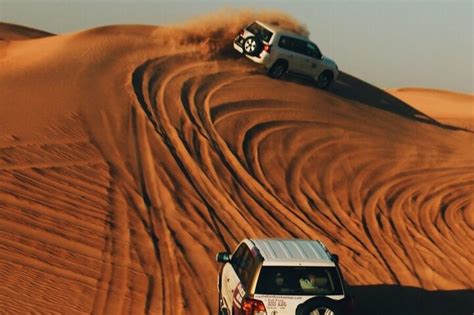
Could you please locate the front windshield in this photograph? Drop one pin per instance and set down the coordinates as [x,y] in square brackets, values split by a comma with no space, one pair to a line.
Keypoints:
[296,280]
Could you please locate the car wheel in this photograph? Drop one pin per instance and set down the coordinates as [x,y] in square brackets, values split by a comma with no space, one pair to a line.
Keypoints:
[318,306]
[221,311]
[252,46]
[278,69]
[324,80]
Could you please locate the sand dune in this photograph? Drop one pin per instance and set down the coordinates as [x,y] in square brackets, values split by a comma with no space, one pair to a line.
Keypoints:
[448,107]
[18,32]
[130,155]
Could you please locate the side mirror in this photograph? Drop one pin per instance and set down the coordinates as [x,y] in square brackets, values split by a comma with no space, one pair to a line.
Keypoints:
[223,257]
[335,258]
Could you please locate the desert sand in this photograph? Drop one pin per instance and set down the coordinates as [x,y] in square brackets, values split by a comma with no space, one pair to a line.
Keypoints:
[452,108]
[130,155]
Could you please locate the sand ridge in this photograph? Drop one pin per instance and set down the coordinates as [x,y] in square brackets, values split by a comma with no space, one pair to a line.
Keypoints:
[449,107]
[136,155]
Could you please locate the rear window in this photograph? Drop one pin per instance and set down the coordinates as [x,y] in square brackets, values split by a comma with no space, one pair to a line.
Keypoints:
[278,280]
[260,32]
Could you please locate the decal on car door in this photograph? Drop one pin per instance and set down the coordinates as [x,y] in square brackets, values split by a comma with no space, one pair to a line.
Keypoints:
[237,297]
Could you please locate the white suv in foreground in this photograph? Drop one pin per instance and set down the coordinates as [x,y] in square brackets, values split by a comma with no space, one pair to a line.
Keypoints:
[282,51]
[281,277]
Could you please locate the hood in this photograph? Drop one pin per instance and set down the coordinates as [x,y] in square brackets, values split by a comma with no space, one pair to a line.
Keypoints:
[329,62]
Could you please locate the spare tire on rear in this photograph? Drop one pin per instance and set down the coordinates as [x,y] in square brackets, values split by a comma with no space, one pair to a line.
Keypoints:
[319,306]
[252,46]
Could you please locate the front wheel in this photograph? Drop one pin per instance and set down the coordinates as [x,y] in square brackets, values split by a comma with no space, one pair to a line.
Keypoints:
[324,80]
[221,311]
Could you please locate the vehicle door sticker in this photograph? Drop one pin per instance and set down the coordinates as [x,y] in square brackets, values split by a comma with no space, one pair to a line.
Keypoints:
[238,295]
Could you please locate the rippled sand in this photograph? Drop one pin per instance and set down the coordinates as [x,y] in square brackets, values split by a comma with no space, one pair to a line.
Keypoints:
[130,155]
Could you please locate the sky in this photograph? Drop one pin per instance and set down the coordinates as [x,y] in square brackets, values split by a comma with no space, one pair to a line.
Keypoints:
[388,43]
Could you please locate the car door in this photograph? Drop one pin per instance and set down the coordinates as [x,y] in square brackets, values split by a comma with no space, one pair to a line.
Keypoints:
[310,58]
[288,52]
[313,59]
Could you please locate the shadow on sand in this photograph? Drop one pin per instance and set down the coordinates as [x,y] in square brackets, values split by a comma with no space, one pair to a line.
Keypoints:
[354,89]
[393,299]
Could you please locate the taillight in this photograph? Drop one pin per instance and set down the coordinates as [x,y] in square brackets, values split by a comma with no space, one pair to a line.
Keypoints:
[253,307]
[267,48]
[241,33]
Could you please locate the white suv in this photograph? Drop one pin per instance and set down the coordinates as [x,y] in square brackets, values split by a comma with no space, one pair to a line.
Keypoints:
[282,51]
[281,277]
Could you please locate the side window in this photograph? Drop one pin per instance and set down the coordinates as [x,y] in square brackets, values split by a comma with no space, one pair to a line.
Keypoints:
[312,50]
[284,42]
[245,271]
[287,43]
[250,270]
[300,46]
[237,258]
[293,44]
[245,264]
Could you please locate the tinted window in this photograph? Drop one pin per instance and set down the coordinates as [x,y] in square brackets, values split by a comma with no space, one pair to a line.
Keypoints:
[245,264]
[288,43]
[260,32]
[313,50]
[237,258]
[249,271]
[299,46]
[279,280]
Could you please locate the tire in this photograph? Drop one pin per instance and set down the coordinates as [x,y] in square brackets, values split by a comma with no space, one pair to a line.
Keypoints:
[221,311]
[252,46]
[278,69]
[324,80]
[319,306]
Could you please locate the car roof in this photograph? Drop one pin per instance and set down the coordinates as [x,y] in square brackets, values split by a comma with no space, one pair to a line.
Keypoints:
[292,252]
[280,30]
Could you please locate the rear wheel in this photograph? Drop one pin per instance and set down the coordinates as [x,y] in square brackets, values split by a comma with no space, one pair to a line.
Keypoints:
[252,46]
[319,306]
[278,69]
[324,80]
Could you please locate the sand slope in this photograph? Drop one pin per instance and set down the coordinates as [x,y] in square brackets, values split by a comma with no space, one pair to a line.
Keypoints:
[17,32]
[452,108]
[130,155]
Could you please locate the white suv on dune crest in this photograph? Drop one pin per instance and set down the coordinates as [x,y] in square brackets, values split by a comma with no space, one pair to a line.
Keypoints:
[282,51]
[281,277]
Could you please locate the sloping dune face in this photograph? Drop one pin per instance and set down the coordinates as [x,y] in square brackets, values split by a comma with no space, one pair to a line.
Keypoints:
[130,155]
[17,32]
[448,107]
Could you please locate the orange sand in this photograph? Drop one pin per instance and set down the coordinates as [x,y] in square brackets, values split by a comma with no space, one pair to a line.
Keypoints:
[448,107]
[130,155]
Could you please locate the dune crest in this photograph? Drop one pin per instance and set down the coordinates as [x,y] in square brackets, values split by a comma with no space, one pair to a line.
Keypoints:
[17,32]
[131,160]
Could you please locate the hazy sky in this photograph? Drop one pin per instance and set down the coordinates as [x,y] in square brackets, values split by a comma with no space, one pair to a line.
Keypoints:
[389,43]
